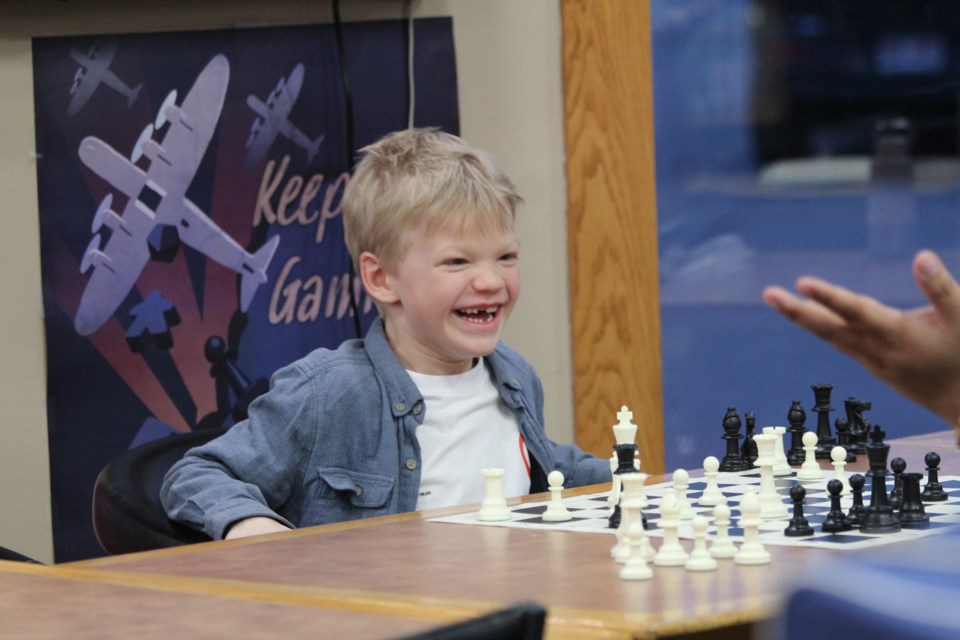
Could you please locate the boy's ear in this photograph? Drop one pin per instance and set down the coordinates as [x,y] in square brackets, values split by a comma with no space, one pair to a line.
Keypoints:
[375,279]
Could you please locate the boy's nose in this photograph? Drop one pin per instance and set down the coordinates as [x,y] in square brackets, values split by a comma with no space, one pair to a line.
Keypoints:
[488,278]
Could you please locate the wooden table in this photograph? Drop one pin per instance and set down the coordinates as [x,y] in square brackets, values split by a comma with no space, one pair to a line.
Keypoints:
[60,602]
[406,566]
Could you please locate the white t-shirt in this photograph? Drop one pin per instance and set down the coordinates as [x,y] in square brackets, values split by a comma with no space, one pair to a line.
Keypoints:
[467,428]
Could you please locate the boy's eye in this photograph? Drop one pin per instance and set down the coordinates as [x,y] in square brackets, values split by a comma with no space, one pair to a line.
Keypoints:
[456,262]
[509,257]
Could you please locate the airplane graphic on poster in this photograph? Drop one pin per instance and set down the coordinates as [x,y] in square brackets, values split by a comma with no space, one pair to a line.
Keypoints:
[272,120]
[93,71]
[156,199]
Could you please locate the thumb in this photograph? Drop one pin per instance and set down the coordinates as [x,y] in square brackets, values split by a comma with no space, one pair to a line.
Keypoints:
[938,285]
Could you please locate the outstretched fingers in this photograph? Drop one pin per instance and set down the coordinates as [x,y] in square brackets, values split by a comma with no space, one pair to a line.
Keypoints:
[938,285]
[859,313]
[809,314]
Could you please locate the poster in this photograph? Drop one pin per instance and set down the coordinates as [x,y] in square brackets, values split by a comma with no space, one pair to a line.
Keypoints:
[189,206]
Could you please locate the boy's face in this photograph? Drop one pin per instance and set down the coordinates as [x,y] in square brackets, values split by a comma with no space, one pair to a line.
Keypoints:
[453,294]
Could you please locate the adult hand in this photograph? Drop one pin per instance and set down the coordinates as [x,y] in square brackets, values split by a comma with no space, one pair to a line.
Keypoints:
[917,352]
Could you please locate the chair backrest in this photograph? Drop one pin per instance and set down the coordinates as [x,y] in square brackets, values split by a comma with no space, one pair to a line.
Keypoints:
[523,621]
[127,514]
[10,554]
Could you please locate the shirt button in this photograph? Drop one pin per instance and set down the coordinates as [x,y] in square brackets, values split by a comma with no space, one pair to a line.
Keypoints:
[417,408]
[401,406]
[358,491]
[411,464]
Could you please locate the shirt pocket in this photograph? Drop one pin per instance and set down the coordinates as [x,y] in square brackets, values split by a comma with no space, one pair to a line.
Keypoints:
[353,488]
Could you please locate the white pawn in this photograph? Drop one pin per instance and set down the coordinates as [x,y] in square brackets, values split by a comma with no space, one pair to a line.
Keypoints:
[681,481]
[751,551]
[839,456]
[711,495]
[671,553]
[494,505]
[556,511]
[636,567]
[780,465]
[810,469]
[722,546]
[700,559]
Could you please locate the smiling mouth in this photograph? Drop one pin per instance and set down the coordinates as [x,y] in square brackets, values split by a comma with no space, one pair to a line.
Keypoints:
[479,315]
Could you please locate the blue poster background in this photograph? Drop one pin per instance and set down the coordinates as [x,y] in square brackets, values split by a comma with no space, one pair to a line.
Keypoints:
[146,371]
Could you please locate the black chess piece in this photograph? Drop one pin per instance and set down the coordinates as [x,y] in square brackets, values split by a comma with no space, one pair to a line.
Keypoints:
[933,491]
[825,440]
[626,454]
[796,418]
[855,515]
[859,425]
[733,460]
[748,450]
[912,513]
[842,427]
[898,466]
[799,526]
[836,520]
[879,517]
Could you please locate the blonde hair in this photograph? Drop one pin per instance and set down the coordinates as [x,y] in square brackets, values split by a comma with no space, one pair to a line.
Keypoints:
[423,179]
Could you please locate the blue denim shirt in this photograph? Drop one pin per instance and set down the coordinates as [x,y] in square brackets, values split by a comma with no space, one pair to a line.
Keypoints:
[334,439]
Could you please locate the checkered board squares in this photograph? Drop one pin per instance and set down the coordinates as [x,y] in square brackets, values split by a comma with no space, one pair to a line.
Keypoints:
[590,513]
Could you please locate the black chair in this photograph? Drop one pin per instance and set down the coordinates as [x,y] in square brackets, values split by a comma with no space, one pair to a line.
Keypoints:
[127,514]
[522,621]
[10,554]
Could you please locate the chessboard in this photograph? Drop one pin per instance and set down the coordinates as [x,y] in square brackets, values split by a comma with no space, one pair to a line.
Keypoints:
[590,513]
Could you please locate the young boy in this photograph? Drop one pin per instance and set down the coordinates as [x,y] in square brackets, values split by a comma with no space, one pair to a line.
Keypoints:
[406,418]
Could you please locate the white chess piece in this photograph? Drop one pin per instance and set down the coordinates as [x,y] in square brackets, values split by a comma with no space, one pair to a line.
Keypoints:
[839,456]
[632,496]
[771,504]
[810,469]
[722,546]
[636,567]
[751,551]
[780,465]
[494,505]
[681,481]
[614,498]
[711,495]
[671,553]
[700,559]
[635,559]
[556,511]
[625,432]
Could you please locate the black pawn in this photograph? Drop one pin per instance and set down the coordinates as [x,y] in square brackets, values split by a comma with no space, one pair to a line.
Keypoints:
[898,466]
[933,491]
[912,513]
[836,520]
[796,417]
[799,526]
[842,426]
[733,460]
[855,515]
[748,450]
[626,453]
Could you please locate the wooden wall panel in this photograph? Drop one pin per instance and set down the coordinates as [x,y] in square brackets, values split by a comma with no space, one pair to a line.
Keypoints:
[612,223]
